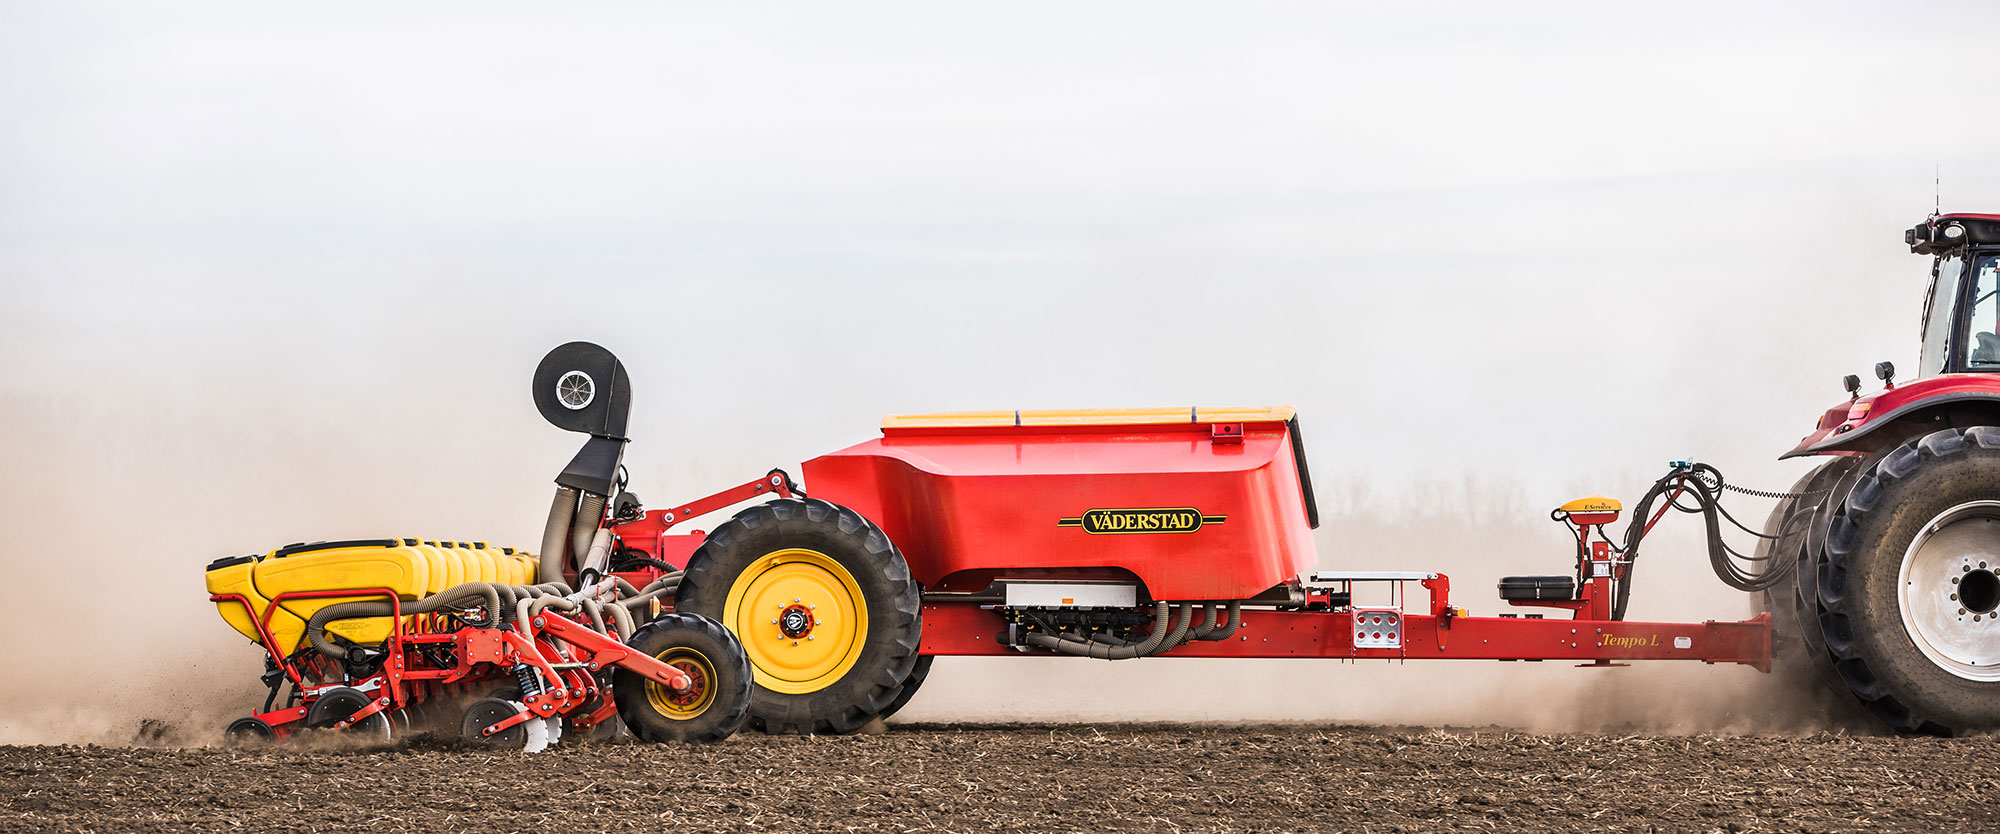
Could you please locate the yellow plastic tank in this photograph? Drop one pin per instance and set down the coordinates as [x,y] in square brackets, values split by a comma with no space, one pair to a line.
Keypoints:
[531,567]
[338,566]
[509,567]
[440,574]
[480,564]
[455,572]
[232,575]
[411,568]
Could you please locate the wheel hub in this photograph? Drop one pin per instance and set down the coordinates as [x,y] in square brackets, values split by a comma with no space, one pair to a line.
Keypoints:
[1948,591]
[686,703]
[796,622]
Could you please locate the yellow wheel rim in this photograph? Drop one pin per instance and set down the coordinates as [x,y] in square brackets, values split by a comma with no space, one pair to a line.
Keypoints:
[681,706]
[801,618]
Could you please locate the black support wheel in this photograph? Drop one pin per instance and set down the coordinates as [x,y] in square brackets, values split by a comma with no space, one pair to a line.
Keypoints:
[341,702]
[248,731]
[825,607]
[717,698]
[487,712]
[1910,585]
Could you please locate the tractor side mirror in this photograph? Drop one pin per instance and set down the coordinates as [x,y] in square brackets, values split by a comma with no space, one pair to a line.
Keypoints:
[582,387]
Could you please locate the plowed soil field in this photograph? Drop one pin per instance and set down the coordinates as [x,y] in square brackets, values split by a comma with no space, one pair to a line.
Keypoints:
[1032,778]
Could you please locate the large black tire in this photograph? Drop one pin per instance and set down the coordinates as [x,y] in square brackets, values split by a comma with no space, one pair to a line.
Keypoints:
[713,709]
[910,686]
[811,543]
[1874,615]
[1807,691]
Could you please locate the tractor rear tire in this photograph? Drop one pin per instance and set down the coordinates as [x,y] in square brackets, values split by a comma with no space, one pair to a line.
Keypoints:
[711,710]
[1909,590]
[824,605]
[1809,692]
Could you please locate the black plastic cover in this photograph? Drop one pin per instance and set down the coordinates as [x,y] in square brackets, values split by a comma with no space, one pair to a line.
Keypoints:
[228,561]
[1305,477]
[595,467]
[581,387]
[1537,587]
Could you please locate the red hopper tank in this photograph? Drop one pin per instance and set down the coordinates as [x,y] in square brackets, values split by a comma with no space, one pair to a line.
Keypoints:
[1197,504]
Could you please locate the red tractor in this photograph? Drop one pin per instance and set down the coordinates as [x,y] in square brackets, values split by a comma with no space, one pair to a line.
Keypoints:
[1891,547]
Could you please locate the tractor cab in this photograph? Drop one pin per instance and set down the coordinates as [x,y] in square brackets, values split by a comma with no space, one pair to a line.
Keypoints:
[1962,311]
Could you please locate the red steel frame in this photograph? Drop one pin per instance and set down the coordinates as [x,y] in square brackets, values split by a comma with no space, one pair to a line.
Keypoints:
[953,628]
[407,678]
[1438,632]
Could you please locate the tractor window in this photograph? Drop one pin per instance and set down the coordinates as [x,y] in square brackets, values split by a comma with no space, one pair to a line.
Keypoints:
[1983,326]
[1938,311]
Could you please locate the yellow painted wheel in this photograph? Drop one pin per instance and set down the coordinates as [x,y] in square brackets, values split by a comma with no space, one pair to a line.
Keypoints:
[828,614]
[802,619]
[682,706]
[711,709]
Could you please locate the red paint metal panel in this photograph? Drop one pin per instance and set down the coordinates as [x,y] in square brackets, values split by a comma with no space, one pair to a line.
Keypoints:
[962,629]
[959,500]
[1843,420]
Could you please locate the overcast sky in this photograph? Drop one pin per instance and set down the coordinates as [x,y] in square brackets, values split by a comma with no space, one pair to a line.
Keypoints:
[272,271]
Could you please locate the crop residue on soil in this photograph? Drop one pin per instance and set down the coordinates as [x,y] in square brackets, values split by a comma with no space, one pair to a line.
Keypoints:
[1037,778]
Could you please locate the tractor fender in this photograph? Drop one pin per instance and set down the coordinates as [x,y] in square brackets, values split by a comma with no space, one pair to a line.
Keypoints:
[1951,400]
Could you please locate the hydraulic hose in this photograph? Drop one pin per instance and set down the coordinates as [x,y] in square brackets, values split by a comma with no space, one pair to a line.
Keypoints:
[1704,484]
[622,620]
[555,534]
[582,529]
[597,559]
[1208,625]
[1185,614]
[664,586]
[1161,626]
[1235,622]
[470,592]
